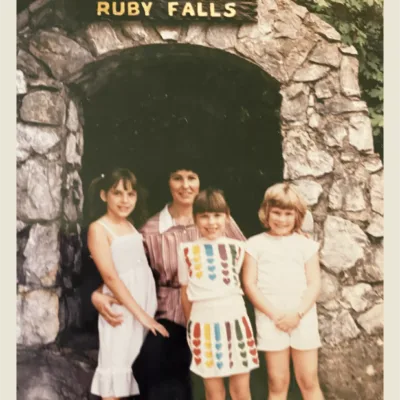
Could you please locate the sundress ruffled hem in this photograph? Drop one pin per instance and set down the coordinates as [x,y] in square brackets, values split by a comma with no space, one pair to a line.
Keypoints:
[114,383]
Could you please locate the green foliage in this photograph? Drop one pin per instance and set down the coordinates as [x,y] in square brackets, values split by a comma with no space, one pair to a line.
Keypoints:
[360,22]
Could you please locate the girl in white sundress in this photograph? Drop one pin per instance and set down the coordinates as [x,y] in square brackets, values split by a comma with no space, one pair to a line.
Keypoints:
[117,250]
[219,332]
[281,277]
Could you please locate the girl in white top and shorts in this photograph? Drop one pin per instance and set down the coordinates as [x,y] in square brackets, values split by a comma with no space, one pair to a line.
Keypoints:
[219,332]
[281,277]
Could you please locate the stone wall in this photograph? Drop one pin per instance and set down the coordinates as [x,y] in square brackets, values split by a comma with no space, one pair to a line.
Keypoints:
[49,206]
[327,150]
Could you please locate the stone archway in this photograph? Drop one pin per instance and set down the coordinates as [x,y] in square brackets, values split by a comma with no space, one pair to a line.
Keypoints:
[327,151]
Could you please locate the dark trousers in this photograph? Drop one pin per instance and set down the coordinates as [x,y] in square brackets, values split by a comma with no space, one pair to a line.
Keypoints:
[162,367]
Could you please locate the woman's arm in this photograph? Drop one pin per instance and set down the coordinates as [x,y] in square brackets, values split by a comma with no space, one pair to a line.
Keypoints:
[101,254]
[186,303]
[249,277]
[233,231]
[102,303]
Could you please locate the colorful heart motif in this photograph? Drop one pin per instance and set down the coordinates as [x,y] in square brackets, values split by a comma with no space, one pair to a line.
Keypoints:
[196,342]
[207,345]
[225,272]
[255,360]
[243,354]
[218,346]
[231,364]
[209,363]
[245,363]
[210,260]
[218,355]
[197,259]
[220,364]
[224,264]
[196,352]
[226,281]
[197,360]
[197,267]
[229,345]
[209,250]
[253,352]
[250,343]
[212,276]
[199,274]
[208,354]
[222,252]
[211,269]
[196,249]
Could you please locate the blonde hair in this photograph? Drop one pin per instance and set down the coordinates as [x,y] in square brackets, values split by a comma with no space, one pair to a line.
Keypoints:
[285,196]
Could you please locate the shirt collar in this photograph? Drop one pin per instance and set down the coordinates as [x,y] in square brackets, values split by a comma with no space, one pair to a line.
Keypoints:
[166,220]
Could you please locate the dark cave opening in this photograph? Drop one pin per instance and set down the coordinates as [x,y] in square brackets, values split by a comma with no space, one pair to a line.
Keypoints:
[219,109]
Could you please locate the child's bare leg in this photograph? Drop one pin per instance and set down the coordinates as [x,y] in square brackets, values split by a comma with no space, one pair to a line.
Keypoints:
[110,398]
[215,389]
[278,367]
[239,386]
[305,364]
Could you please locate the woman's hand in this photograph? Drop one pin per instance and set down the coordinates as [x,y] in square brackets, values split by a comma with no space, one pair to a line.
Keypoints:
[152,325]
[102,303]
[288,321]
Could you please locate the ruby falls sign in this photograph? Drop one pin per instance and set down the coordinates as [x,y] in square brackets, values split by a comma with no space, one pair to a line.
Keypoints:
[167,10]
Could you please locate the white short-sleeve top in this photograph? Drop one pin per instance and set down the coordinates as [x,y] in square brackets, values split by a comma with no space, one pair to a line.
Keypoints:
[281,262]
[211,269]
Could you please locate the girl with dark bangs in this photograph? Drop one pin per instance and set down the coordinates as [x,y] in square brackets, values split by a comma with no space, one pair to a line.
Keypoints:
[117,249]
[219,332]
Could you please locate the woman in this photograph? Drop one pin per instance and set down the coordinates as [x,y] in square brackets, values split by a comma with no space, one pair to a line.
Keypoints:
[162,368]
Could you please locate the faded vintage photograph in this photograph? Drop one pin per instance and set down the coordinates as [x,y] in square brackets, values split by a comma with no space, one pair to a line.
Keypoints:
[200,200]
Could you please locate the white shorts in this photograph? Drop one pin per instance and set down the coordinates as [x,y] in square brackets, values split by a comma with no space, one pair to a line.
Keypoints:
[304,337]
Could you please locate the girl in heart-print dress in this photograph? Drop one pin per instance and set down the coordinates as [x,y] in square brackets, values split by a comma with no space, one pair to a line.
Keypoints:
[219,332]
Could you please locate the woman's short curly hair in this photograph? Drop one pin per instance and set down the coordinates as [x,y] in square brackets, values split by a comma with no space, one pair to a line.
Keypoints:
[285,196]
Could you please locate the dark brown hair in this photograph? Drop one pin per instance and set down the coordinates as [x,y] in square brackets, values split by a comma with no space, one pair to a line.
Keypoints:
[210,200]
[109,180]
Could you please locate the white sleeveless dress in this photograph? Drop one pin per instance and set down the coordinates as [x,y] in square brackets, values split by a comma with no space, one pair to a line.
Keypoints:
[120,345]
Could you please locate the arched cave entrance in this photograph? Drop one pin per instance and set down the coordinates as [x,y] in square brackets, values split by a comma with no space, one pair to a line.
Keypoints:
[183,99]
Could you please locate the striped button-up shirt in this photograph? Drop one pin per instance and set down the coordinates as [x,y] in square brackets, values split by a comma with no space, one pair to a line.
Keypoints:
[162,237]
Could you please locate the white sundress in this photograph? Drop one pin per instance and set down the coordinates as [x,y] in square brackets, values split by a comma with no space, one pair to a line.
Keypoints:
[120,345]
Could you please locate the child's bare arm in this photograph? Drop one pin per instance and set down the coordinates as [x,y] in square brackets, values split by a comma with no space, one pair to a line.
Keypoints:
[249,278]
[313,275]
[101,254]
[186,303]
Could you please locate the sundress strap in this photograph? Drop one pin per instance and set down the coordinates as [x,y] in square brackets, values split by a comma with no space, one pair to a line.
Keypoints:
[108,229]
[133,228]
